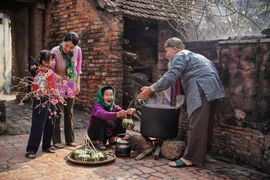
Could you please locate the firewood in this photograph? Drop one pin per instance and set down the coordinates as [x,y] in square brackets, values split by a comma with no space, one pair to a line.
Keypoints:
[143,154]
[157,152]
[129,55]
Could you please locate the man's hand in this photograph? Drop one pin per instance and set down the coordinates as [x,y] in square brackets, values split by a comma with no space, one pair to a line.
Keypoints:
[146,91]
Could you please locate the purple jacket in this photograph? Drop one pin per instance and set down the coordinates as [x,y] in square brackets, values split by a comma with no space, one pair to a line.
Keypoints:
[100,112]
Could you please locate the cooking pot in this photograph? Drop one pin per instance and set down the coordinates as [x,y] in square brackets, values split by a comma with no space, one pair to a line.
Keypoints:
[159,121]
[122,147]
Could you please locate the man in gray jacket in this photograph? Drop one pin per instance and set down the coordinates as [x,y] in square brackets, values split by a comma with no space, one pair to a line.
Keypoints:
[202,88]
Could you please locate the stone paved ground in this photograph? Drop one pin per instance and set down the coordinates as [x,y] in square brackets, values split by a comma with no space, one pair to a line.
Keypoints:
[13,164]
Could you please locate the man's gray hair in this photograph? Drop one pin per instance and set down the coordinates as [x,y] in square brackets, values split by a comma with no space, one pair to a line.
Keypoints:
[174,42]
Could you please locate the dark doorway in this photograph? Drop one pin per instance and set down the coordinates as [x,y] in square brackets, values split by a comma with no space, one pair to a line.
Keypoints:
[140,39]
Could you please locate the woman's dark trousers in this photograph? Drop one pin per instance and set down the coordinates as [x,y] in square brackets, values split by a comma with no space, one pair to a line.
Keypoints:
[97,130]
[68,122]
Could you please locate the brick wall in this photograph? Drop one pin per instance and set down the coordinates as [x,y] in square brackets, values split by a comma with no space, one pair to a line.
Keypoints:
[162,65]
[100,39]
[241,130]
[35,31]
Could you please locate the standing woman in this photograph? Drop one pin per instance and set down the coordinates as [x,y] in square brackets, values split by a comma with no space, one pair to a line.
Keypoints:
[68,61]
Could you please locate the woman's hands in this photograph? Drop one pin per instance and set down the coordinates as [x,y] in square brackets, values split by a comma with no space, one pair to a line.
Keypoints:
[131,111]
[78,89]
[123,113]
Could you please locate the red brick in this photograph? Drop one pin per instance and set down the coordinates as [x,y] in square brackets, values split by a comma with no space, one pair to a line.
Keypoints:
[146,170]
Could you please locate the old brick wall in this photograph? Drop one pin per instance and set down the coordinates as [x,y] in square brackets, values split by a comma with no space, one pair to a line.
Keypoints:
[35,31]
[242,132]
[164,33]
[100,39]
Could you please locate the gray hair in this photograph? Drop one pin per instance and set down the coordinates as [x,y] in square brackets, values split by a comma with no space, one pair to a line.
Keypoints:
[174,42]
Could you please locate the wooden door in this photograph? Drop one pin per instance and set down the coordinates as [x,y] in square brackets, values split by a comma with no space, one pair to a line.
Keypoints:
[5,54]
[21,46]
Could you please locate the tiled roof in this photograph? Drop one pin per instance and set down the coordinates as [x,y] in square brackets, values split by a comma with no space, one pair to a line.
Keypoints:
[148,9]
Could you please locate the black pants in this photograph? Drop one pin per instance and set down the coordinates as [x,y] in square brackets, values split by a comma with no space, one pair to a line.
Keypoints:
[42,125]
[68,122]
[97,130]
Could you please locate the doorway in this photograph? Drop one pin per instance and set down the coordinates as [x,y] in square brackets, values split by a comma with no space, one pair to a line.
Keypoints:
[5,54]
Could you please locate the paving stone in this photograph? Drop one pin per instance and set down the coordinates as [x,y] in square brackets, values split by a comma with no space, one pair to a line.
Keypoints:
[160,169]
[149,164]
[14,165]
[147,170]
[135,171]
[154,178]
[160,175]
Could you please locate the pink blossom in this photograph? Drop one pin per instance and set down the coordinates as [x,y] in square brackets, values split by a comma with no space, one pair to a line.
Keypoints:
[64,82]
[33,67]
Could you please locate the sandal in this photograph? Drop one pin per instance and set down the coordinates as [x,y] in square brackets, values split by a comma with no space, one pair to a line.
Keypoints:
[49,150]
[179,163]
[30,155]
[59,145]
[101,146]
[72,144]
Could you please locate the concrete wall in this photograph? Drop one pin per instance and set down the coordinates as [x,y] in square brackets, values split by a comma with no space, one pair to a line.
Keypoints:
[101,42]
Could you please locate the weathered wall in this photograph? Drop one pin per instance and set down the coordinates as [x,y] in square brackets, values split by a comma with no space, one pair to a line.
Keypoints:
[164,33]
[242,131]
[101,39]
[36,12]
[242,125]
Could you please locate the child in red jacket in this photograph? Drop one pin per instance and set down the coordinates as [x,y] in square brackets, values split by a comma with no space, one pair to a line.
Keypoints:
[46,95]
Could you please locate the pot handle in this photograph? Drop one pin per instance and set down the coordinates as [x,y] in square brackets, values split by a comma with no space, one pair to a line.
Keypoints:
[125,135]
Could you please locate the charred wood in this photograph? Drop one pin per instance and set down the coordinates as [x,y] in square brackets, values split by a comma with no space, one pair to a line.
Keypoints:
[130,55]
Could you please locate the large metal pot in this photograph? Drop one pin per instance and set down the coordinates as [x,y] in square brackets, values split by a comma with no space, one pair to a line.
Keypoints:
[159,121]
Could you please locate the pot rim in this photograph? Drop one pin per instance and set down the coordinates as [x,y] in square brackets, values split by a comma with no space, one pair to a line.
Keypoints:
[159,106]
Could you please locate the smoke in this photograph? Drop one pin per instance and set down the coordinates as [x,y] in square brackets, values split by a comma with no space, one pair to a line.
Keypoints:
[223,19]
